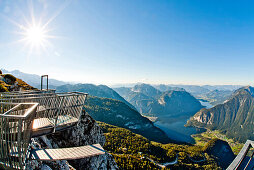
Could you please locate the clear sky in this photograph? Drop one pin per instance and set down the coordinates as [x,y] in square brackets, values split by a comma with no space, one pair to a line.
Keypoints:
[128,41]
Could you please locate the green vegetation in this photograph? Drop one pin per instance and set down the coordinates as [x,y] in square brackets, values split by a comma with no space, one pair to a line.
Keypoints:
[3,88]
[132,150]
[10,77]
[210,144]
[10,83]
[203,138]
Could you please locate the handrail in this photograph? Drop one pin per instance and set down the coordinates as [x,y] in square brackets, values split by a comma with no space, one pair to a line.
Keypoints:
[50,96]
[30,91]
[27,113]
[15,133]
[241,155]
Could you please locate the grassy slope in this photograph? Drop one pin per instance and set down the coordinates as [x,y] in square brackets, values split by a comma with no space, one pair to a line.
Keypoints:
[6,86]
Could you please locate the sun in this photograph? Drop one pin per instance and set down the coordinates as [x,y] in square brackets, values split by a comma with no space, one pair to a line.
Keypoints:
[35,35]
[34,30]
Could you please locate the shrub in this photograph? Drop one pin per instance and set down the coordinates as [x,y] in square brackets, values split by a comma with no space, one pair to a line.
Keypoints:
[10,77]
[3,88]
[210,144]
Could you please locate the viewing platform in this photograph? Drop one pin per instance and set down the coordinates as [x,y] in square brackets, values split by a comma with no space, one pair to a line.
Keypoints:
[28,114]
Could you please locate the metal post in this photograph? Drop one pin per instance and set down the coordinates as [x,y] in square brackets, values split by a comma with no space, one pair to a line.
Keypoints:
[41,82]
[47,81]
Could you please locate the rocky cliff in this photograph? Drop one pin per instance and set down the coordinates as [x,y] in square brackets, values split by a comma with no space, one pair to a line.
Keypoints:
[86,132]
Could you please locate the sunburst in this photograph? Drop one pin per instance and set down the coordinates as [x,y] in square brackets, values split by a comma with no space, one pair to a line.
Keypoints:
[34,34]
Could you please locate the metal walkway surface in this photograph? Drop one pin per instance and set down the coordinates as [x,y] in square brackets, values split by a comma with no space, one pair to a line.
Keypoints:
[67,153]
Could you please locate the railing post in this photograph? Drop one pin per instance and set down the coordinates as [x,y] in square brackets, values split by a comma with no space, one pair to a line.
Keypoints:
[42,81]
[19,142]
[58,111]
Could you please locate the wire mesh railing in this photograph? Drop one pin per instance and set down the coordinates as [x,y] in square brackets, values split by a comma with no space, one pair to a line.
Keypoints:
[55,110]
[15,132]
[24,115]
[28,92]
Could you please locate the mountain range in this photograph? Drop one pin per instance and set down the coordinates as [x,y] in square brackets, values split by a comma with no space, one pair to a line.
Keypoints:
[234,117]
[106,105]
[151,101]
[93,90]
[215,94]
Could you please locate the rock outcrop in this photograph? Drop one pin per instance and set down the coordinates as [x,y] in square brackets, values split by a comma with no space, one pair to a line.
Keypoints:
[10,83]
[86,132]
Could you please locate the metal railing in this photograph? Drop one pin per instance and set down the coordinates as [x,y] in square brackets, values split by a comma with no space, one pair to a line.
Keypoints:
[15,132]
[56,110]
[33,113]
[238,162]
[28,92]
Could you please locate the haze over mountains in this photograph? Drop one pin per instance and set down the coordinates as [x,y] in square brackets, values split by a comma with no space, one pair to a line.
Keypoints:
[33,79]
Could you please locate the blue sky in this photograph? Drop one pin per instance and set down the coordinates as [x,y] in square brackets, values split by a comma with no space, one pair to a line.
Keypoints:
[128,41]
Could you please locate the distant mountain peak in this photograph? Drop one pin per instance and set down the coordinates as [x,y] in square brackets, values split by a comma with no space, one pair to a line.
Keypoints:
[248,89]
[146,89]
[234,117]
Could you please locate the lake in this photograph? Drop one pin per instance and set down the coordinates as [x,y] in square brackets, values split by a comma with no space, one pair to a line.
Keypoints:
[206,104]
[175,129]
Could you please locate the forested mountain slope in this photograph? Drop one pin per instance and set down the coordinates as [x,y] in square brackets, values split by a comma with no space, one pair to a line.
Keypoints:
[93,90]
[235,117]
[131,150]
[118,113]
